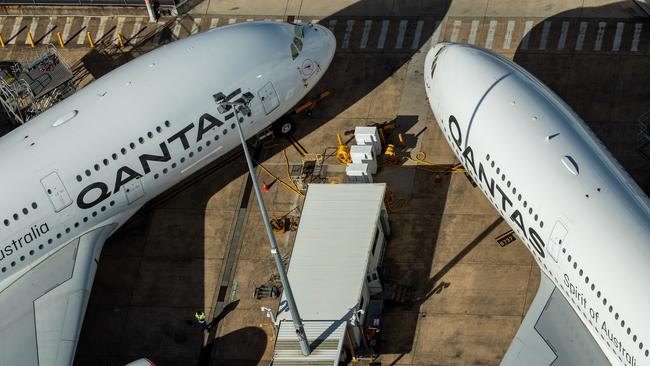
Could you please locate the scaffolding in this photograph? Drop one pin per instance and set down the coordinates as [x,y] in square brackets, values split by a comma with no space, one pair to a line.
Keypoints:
[28,91]
[312,170]
[643,139]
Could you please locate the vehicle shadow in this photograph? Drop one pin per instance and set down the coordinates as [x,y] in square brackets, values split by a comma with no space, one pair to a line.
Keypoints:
[601,75]
[172,258]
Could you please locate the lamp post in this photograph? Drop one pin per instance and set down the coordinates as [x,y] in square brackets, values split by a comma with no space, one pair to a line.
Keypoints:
[152,14]
[241,105]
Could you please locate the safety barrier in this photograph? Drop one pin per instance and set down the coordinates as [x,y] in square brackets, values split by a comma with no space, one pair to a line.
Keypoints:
[61,43]
[121,42]
[30,39]
[90,40]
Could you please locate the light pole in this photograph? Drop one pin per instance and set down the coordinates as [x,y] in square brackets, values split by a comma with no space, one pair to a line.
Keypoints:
[150,11]
[241,105]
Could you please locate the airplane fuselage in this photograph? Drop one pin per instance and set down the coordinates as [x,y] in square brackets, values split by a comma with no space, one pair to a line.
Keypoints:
[582,217]
[98,156]
[78,171]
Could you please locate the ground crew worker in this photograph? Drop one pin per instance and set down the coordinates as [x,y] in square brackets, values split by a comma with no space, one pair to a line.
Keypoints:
[200,317]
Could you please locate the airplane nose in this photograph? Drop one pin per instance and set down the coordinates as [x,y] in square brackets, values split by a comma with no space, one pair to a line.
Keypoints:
[432,58]
[439,46]
[321,43]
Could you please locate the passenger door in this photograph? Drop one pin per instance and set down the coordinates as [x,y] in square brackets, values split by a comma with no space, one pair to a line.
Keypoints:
[134,190]
[558,237]
[56,191]
[269,97]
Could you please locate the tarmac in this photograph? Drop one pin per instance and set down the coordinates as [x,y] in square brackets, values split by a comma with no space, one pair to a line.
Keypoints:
[202,247]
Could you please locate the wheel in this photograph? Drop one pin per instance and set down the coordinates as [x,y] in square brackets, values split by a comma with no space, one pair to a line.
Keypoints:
[283,127]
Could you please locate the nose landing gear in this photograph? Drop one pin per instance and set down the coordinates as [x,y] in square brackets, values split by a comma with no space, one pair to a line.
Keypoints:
[284,126]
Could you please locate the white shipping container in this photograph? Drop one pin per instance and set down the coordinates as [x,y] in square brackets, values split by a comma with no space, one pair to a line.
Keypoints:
[368,136]
[358,173]
[361,152]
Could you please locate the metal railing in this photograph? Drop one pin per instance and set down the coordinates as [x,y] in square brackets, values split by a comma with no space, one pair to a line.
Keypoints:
[37,87]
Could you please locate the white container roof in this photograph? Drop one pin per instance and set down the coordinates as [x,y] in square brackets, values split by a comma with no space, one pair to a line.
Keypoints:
[330,256]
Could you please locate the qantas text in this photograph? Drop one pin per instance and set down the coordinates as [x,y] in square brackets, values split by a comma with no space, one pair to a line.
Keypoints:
[35,232]
[606,329]
[482,177]
[97,192]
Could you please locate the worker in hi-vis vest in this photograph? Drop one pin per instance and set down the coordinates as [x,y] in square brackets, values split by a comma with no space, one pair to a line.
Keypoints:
[200,317]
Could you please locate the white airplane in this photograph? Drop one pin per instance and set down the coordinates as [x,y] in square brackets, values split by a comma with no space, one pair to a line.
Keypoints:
[582,217]
[74,174]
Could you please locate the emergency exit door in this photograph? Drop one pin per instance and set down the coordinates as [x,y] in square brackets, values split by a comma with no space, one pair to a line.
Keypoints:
[133,190]
[56,191]
[269,97]
[558,237]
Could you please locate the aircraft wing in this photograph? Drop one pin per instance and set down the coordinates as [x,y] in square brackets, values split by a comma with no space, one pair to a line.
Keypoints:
[552,334]
[42,311]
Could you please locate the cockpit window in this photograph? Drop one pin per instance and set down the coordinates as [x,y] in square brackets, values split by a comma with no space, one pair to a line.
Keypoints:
[298,31]
[294,51]
[433,67]
[435,59]
[298,43]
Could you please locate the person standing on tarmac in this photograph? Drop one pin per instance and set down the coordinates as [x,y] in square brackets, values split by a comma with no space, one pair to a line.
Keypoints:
[200,317]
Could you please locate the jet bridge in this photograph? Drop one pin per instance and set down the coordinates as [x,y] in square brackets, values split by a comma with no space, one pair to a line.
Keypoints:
[26,91]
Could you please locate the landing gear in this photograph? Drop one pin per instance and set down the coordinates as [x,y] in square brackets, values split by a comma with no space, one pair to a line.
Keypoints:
[284,126]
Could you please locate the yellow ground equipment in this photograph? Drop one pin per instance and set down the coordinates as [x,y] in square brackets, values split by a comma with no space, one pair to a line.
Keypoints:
[423,164]
[384,129]
[292,187]
[456,168]
[389,155]
[309,105]
[343,152]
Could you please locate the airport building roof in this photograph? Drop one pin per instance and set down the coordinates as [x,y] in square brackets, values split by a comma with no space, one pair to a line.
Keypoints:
[332,249]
